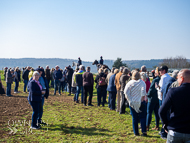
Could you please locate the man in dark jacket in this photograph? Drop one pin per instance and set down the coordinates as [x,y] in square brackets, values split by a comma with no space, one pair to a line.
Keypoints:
[177,101]
[9,81]
[47,74]
[88,82]
[165,91]
[79,83]
[57,75]
[101,60]
[69,75]
[25,77]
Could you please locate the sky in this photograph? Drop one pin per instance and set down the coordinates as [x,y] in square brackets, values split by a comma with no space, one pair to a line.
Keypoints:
[129,29]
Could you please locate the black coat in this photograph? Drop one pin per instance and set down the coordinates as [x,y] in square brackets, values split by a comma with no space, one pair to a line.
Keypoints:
[97,80]
[25,74]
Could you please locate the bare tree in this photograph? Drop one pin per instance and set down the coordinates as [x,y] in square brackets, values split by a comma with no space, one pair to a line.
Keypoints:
[176,62]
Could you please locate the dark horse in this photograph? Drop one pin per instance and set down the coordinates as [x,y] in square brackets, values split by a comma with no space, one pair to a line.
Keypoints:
[100,66]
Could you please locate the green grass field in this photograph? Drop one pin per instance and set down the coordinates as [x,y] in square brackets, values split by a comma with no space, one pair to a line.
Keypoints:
[71,122]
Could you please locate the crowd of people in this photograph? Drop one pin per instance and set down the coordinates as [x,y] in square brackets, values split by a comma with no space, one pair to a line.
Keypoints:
[166,95]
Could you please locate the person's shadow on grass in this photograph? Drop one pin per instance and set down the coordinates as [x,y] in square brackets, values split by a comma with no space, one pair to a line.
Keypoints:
[66,129]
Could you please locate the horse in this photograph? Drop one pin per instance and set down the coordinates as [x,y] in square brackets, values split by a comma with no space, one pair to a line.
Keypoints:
[100,66]
[74,64]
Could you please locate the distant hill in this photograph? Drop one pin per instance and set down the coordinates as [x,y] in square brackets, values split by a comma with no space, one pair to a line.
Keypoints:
[52,62]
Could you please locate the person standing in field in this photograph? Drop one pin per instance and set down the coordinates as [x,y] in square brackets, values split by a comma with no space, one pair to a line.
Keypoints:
[135,91]
[177,101]
[30,73]
[123,81]
[2,91]
[107,81]
[16,80]
[35,98]
[47,74]
[79,83]
[112,90]
[69,75]
[118,87]
[165,90]
[5,71]
[57,75]
[25,77]
[101,87]
[9,80]
[164,79]
[88,82]
[52,77]
[74,86]
[153,102]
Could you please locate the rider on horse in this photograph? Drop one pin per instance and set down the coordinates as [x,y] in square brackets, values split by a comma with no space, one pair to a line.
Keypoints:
[79,62]
[101,60]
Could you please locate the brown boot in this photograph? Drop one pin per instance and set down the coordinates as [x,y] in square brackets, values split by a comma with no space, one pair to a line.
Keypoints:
[156,128]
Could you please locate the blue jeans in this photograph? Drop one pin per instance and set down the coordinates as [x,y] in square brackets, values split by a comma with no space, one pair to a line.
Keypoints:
[25,85]
[52,83]
[112,96]
[175,137]
[41,110]
[35,107]
[16,86]
[57,83]
[79,88]
[101,93]
[136,116]
[8,91]
[160,102]
[63,83]
[150,108]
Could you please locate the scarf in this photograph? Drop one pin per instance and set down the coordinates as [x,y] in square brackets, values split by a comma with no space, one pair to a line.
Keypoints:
[38,84]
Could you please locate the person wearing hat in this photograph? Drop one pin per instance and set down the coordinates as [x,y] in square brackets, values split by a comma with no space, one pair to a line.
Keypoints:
[9,80]
[153,102]
[101,60]
[163,80]
[79,62]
